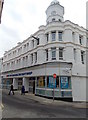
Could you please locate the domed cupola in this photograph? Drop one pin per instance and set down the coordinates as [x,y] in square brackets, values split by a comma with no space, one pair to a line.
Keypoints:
[55,12]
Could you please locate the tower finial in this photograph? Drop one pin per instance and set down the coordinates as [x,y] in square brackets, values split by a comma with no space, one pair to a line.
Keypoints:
[54,2]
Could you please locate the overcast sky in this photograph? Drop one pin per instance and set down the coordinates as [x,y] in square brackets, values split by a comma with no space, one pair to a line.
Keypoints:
[21,18]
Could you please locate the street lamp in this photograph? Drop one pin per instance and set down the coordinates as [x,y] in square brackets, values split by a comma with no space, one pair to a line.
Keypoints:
[35,37]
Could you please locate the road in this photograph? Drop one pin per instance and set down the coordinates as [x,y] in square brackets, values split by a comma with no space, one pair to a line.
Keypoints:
[22,106]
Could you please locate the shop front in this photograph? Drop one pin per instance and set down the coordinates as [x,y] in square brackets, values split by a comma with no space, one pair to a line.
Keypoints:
[61,85]
[39,80]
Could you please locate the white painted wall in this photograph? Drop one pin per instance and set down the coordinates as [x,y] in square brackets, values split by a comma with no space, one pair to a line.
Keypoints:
[79,89]
[15,83]
[26,83]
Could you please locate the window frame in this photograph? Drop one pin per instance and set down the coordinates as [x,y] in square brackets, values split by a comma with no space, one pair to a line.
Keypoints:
[82,56]
[80,39]
[53,50]
[47,55]
[60,33]
[53,34]
[61,51]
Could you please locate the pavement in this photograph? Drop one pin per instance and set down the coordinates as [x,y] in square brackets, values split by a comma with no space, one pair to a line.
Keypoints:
[43,100]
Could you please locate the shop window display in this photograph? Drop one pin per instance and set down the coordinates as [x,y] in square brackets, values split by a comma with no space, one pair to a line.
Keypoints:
[41,81]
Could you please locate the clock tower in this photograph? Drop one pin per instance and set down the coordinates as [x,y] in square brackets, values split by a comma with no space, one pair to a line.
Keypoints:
[55,12]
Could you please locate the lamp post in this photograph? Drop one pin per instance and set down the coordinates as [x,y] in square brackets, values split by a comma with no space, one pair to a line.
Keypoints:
[35,37]
[54,76]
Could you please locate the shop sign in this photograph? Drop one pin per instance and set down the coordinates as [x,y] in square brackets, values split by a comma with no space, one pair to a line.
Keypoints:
[19,74]
[64,82]
[52,82]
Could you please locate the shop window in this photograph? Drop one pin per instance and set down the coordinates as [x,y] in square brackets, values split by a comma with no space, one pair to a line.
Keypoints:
[69,82]
[57,82]
[47,81]
[41,81]
[52,82]
[65,82]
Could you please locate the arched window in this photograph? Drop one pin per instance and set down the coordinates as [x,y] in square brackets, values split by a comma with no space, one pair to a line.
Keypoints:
[53,19]
[59,20]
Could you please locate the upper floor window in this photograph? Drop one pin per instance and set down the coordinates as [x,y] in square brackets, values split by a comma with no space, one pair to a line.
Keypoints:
[53,36]
[31,58]
[80,39]
[53,19]
[53,53]
[5,56]
[60,53]
[26,58]
[9,54]
[33,43]
[35,57]
[82,56]
[47,36]
[47,55]
[8,64]
[60,36]
[59,20]
[38,41]
[74,54]
[15,52]
[24,46]
[18,50]
[27,45]
[73,36]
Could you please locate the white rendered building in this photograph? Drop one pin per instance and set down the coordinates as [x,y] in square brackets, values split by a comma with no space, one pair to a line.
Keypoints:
[58,47]
[0,70]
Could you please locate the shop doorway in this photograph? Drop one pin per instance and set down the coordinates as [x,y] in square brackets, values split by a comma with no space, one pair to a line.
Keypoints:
[32,85]
[20,82]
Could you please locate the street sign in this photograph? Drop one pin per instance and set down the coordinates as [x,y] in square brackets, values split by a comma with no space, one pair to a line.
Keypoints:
[54,75]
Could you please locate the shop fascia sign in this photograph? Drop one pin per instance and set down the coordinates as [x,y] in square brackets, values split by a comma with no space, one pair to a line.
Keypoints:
[19,74]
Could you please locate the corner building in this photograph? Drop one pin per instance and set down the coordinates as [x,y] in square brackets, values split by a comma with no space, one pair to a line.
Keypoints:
[58,48]
[1,8]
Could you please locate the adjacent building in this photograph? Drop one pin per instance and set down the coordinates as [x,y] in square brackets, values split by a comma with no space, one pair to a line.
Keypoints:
[1,8]
[59,47]
[1,61]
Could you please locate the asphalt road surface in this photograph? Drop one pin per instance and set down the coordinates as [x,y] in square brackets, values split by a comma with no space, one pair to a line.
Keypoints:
[22,106]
